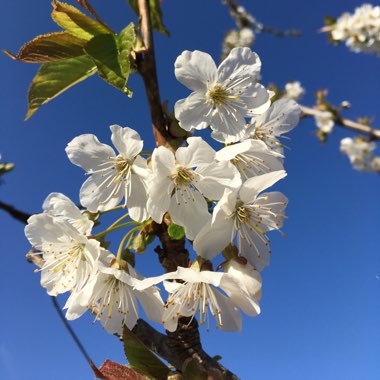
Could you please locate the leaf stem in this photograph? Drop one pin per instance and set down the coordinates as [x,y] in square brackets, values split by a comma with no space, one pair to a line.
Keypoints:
[115,228]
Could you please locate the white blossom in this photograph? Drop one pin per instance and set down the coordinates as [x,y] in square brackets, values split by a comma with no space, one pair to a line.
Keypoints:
[197,293]
[359,151]
[222,97]
[61,207]
[360,30]
[180,182]
[294,90]
[111,296]
[251,158]
[281,117]
[112,176]
[247,214]
[375,164]
[69,256]
[324,121]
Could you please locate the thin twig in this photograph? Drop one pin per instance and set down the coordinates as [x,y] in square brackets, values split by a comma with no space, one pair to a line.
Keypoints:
[70,330]
[147,68]
[373,133]
[19,215]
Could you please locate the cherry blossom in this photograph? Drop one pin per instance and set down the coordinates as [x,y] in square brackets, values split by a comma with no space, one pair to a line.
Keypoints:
[112,176]
[247,214]
[69,256]
[222,97]
[181,180]
[197,292]
[281,117]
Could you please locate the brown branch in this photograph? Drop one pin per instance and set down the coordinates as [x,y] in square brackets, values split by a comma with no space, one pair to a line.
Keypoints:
[146,64]
[373,133]
[184,344]
[19,215]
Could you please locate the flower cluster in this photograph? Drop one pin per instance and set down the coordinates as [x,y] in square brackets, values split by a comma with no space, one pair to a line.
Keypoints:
[219,198]
[360,30]
[361,154]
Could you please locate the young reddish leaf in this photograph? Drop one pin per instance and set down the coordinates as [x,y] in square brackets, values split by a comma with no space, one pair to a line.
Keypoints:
[53,78]
[114,371]
[75,22]
[49,48]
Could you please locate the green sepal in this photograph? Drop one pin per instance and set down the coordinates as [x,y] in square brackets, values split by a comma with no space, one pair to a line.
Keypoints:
[176,232]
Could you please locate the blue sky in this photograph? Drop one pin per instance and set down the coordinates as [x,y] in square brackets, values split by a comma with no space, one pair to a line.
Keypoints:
[321,294]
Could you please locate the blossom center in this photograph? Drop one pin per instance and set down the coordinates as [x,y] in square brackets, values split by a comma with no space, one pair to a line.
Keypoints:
[183,177]
[242,215]
[122,166]
[217,95]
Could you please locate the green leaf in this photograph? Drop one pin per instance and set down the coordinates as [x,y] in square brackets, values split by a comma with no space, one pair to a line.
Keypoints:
[75,22]
[141,358]
[56,77]
[176,232]
[126,42]
[329,20]
[104,51]
[155,14]
[49,48]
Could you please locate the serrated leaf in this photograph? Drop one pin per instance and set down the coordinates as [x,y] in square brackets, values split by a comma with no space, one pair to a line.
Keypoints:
[141,358]
[104,51]
[75,22]
[155,14]
[49,48]
[126,41]
[176,232]
[56,77]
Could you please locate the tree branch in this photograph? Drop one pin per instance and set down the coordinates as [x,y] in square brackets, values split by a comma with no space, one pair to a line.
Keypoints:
[147,68]
[19,215]
[373,133]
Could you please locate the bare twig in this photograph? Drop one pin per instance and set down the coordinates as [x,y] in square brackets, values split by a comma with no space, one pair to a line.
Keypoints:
[147,68]
[373,133]
[19,215]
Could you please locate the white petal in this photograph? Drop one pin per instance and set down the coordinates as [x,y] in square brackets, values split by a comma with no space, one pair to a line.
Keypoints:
[58,204]
[137,200]
[127,141]
[189,209]
[230,315]
[282,116]
[197,152]
[239,63]
[213,237]
[257,255]
[227,126]
[193,112]
[152,303]
[96,195]
[257,99]
[195,69]
[253,186]
[87,152]
[215,178]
